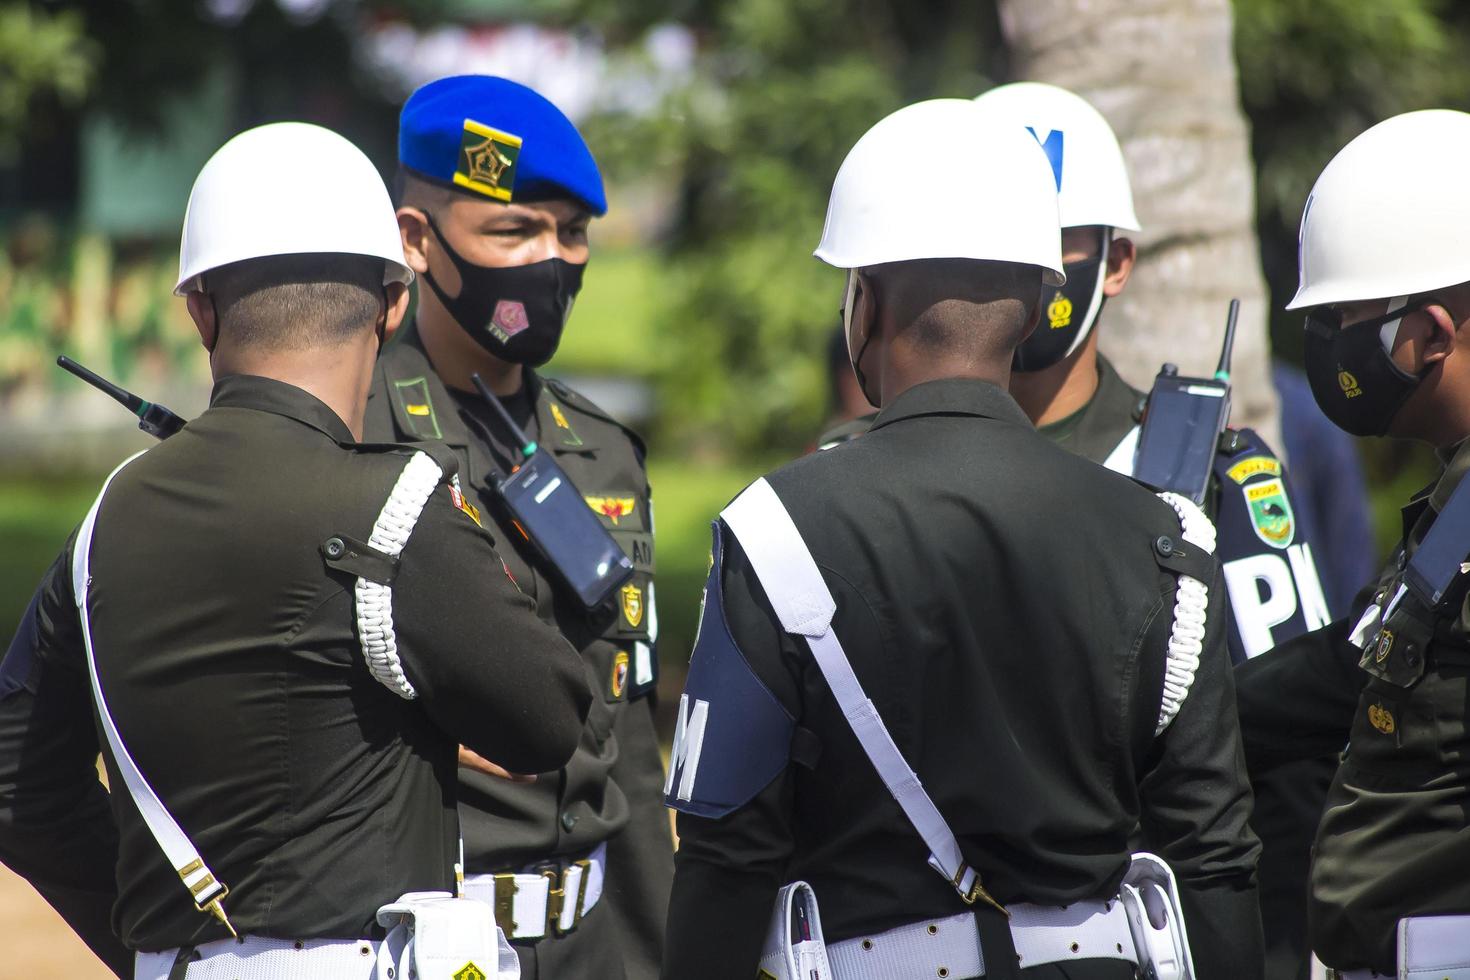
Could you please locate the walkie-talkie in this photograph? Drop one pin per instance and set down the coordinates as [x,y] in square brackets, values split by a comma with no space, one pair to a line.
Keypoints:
[153,418]
[1183,423]
[550,511]
[1437,571]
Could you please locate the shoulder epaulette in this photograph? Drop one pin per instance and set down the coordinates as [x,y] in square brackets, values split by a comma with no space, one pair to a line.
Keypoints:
[581,403]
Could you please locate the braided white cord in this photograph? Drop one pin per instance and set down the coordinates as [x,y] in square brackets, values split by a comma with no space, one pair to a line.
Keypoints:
[1186,642]
[375,600]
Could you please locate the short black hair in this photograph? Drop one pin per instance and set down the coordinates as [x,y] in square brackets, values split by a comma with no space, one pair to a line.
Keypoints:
[960,306]
[297,302]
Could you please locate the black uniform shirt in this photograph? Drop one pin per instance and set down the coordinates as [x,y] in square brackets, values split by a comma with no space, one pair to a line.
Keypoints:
[229,657]
[1014,644]
[571,811]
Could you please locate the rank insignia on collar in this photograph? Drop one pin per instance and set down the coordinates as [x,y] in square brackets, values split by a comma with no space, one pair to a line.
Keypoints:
[422,410]
[1270,512]
[612,507]
[470,972]
[619,680]
[487,160]
[1381,718]
[570,437]
[632,597]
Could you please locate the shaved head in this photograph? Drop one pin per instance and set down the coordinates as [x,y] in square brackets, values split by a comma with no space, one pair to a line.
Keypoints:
[975,310]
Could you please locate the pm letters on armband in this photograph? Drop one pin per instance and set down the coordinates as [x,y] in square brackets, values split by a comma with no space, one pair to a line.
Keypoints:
[732,736]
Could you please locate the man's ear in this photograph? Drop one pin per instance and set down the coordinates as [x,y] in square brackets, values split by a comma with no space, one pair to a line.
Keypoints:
[396,310]
[1443,332]
[1122,253]
[413,228]
[201,311]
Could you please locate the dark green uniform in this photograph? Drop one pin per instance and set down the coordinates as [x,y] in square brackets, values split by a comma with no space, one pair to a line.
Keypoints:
[1014,645]
[611,789]
[228,650]
[1394,839]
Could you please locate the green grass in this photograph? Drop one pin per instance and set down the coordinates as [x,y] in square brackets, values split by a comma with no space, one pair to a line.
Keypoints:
[611,329]
[36,515]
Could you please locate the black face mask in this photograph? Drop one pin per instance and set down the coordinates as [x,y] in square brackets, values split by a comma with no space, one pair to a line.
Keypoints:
[516,313]
[1068,315]
[1357,385]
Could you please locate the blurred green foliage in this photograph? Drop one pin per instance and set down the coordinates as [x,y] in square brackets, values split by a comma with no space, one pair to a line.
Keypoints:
[781,90]
[41,53]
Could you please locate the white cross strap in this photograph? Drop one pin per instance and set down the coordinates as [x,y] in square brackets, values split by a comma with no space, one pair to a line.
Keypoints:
[804,605]
[206,891]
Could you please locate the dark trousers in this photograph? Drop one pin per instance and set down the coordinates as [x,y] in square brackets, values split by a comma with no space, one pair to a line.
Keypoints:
[1289,803]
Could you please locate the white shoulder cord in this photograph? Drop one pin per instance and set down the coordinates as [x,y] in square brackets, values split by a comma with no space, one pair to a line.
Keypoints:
[207,892]
[374,599]
[804,605]
[1186,642]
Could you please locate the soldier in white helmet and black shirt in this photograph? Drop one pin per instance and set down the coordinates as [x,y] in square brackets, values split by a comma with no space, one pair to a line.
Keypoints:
[272,627]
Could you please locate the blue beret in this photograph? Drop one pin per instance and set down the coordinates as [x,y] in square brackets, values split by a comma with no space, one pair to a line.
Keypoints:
[494,137]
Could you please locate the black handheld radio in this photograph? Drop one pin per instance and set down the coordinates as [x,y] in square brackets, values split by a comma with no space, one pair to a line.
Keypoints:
[153,418]
[1182,425]
[551,513]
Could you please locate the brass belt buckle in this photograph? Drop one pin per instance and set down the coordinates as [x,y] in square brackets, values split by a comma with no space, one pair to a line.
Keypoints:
[505,903]
[977,891]
[556,897]
[213,906]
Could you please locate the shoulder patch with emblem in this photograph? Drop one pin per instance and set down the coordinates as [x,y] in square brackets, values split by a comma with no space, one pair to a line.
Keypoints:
[618,682]
[462,502]
[1270,512]
[632,603]
[612,508]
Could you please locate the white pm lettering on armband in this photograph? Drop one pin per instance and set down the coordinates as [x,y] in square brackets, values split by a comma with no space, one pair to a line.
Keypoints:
[688,744]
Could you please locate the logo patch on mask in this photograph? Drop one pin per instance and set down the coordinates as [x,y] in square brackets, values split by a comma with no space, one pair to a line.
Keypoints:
[612,507]
[487,160]
[1059,311]
[1270,512]
[632,597]
[1254,466]
[1348,383]
[508,319]
[619,681]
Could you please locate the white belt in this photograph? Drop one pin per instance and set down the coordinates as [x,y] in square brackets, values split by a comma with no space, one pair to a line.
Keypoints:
[530,906]
[951,947]
[1430,947]
[259,958]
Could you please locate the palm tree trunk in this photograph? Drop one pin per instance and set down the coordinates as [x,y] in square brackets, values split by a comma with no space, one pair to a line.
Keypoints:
[1163,73]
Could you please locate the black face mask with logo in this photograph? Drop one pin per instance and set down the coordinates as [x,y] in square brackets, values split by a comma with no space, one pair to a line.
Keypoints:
[1067,317]
[1354,380]
[517,312]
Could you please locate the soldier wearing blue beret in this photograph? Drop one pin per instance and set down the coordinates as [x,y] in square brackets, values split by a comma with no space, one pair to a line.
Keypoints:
[496,189]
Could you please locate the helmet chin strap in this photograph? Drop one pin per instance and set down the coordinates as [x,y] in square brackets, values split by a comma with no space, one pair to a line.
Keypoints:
[1094,305]
[1390,330]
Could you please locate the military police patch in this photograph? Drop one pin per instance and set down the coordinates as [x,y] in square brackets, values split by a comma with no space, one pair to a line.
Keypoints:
[1270,512]
[1254,466]
[618,683]
[487,160]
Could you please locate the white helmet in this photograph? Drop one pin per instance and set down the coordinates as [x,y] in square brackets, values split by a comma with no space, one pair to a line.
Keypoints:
[1390,216]
[1092,179]
[909,190]
[286,189]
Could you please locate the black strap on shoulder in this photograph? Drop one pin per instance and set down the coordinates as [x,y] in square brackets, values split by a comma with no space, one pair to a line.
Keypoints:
[357,558]
[1176,555]
[806,748]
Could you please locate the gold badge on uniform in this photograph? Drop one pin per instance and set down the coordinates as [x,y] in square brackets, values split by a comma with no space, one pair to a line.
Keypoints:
[487,160]
[1385,644]
[1381,718]
[559,417]
[612,507]
[619,680]
[632,605]
[470,972]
